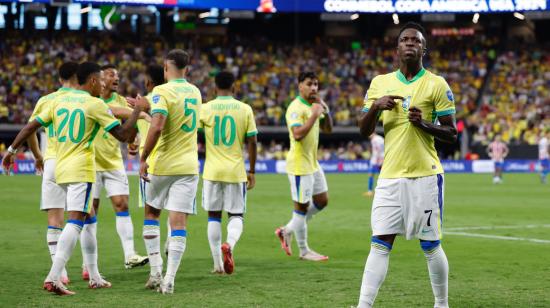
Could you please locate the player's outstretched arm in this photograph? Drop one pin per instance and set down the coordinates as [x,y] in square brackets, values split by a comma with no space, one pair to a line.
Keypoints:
[299,132]
[32,141]
[157,125]
[252,145]
[445,132]
[128,130]
[125,113]
[23,135]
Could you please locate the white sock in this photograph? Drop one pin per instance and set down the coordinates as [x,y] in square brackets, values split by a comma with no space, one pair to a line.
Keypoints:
[65,245]
[176,248]
[234,230]
[298,225]
[215,241]
[301,238]
[125,230]
[438,267]
[312,209]
[375,272]
[88,242]
[151,236]
[52,237]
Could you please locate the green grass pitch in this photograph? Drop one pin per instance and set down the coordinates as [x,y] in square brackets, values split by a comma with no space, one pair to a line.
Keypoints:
[484,271]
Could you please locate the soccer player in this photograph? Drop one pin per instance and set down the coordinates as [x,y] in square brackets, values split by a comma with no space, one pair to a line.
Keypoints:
[409,195]
[171,169]
[544,155]
[76,117]
[376,160]
[228,124]
[305,116]
[497,151]
[111,174]
[53,197]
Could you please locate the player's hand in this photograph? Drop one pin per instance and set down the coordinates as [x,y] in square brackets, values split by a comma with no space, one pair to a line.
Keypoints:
[387,102]
[141,103]
[415,116]
[143,166]
[317,109]
[133,148]
[7,163]
[326,110]
[251,181]
[39,165]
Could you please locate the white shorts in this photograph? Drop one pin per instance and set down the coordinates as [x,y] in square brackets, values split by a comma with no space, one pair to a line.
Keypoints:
[172,192]
[53,196]
[115,183]
[412,207]
[230,197]
[78,196]
[303,187]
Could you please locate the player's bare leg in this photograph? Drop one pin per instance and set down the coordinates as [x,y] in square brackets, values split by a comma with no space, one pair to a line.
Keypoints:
[176,248]
[375,269]
[55,227]
[125,230]
[151,236]
[215,240]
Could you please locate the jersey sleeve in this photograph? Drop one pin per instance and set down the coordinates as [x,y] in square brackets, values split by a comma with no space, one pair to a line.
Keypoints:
[373,93]
[294,116]
[44,117]
[103,115]
[444,100]
[251,129]
[159,104]
[204,114]
[37,109]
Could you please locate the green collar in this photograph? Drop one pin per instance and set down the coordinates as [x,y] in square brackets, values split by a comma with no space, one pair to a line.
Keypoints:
[303,101]
[79,91]
[224,97]
[64,89]
[110,99]
[404,80]
[179,80]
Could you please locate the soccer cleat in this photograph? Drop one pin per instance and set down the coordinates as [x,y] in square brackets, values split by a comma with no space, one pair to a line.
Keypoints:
[98,284]
[285,240]
[368,194]
[217,271]
[153,282]
[65,280]
[166,288]
[85,274]
[57,288]
[228,262]
[135,261]
[311,255]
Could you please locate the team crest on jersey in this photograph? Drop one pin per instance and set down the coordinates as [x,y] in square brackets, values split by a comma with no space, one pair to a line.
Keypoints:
[406,104]
[294,115]
[156,99]
[450,96]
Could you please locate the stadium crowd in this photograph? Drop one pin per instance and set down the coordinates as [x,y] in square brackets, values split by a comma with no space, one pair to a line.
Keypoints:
[267,71]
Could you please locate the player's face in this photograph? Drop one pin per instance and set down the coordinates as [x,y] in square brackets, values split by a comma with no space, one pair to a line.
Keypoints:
[97,84]
[410,45]
[309,89]
[111,79]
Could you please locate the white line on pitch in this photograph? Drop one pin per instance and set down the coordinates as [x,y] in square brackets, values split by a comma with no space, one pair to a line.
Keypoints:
[497,227]
[498,237]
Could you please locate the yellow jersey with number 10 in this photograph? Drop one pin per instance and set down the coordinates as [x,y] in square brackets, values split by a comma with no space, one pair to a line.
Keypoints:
[226,123]
[409,152]
[176,150]
[77,118]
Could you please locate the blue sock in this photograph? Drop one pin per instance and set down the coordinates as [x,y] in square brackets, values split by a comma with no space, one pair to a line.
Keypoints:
[371,182]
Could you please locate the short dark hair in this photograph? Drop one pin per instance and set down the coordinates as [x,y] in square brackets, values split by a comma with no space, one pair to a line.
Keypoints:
[304,75]
[413,25]
[85,69]
[108,66]
[67,70]
[224,80]
[179,57]
[156,73]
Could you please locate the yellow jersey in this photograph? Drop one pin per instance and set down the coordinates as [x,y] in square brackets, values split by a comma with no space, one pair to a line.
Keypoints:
[42,104]
[226,123]
[107,148]
[409,151]
[143,127]
[176,150]
[77,118]
[302,156]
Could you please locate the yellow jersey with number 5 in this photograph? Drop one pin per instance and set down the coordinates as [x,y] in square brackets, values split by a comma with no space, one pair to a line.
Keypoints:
[77,118]
[176,150]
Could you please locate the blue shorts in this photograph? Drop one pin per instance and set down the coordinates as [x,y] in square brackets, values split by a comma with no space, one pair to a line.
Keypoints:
[545,163]
[374,168]
[499,164]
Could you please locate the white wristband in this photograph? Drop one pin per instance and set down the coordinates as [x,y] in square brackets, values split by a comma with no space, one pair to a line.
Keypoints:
[12,150]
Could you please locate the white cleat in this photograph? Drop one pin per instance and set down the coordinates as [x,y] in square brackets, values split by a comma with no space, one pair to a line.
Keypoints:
[166,288]
[135,261]
[154,282]
[313,256]
[98,284]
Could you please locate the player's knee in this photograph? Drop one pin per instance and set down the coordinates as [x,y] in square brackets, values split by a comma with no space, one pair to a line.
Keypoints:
[382,242]
[237,216]
[320,201]
[217,215]
[428,246]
